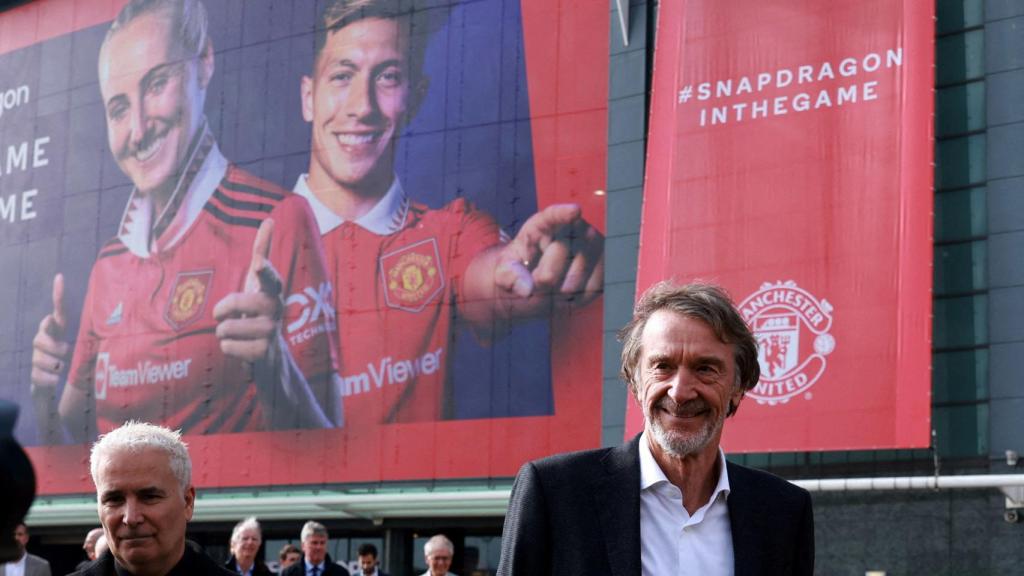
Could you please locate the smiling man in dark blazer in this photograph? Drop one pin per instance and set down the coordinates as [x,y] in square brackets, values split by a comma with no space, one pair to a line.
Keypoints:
[667,502]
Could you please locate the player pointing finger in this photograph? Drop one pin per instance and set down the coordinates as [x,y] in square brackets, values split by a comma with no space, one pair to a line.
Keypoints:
[555,254]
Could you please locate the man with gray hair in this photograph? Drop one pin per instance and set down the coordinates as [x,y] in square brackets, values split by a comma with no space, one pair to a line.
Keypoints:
[438,552]
[667,502]
[315,560]
[145,497]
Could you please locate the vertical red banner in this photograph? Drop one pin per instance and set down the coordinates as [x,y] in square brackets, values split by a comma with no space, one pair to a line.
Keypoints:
[790,161]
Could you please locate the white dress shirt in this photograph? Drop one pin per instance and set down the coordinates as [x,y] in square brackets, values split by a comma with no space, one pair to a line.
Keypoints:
[672,541]
[16,568]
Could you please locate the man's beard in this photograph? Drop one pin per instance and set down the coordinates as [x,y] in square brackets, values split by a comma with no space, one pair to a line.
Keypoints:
[678,444]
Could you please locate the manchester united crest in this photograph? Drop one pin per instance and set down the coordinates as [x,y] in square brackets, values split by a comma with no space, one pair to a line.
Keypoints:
[793,340]
[412,275]
[188,298]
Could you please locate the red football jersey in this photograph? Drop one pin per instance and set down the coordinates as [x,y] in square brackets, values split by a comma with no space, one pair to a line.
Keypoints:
[395,292]
[147,347]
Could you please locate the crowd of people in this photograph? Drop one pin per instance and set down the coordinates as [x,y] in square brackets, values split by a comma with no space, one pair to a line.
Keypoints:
[145,498]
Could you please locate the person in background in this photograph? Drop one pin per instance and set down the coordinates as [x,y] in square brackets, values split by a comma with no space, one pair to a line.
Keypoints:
[246,538]
[288,555]
[368,563]
[438,552]
[101,546]
[90,546]
[315,560]
[27,564]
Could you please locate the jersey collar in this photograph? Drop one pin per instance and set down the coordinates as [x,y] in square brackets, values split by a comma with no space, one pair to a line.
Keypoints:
[199,178]
[386,217]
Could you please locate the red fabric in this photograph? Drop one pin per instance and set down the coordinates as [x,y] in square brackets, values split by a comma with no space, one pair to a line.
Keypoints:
[790,161]
[159,360]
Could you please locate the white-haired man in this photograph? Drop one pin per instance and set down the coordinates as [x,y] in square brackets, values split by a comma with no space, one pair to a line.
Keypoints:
[438,552]
[315,560]
[145,497]
[246,538]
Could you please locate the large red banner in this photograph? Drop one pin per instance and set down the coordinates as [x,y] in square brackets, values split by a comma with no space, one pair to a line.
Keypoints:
[790,161]
[400,151]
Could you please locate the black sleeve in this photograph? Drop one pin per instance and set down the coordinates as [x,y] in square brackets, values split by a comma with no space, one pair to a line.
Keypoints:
[525,539]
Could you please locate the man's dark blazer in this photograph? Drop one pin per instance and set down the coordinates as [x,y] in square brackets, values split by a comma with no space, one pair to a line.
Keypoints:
[194,563]
[579,513]
[258,567]
[330,569]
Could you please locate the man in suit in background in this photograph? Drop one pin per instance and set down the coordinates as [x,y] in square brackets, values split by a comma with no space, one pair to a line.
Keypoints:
[27,564]
[315,560]
[667,502]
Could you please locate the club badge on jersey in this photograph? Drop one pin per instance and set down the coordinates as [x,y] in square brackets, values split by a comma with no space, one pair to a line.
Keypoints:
[412,275]
[188,298]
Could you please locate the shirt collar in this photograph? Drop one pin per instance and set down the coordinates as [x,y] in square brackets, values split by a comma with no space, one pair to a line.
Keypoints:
[386,217]
[651,473]
[200,177]
[320,566]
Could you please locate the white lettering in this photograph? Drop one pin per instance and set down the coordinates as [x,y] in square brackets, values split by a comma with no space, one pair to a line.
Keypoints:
[13,97]
[390,371]
[39,154]
[16,156]
[868,91]
[27,212]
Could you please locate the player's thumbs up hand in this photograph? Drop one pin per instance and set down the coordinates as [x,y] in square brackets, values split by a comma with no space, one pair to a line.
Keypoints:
[248,323]
[262,277]
[50,350]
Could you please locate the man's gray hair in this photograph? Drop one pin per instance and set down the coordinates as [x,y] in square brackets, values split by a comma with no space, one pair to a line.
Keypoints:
[250,523]
[187,19]
[312,528]
[438,541]
[134,437]
[703,301]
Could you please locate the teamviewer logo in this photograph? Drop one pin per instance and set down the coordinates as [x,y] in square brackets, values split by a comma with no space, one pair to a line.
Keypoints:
[102,369]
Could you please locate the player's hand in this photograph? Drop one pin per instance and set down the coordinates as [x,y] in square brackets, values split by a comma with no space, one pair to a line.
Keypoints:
[555,254]
[249,322]
[50,350]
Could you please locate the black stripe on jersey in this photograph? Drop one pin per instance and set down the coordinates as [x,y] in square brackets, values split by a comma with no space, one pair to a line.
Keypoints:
[246,416]
[245,188]
[229,219]
[188,334]
[112,251]
[241,204]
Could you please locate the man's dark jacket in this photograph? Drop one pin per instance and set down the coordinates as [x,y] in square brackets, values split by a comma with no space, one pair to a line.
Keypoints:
[330,568]
[193,563]
[258,567]
[579,513]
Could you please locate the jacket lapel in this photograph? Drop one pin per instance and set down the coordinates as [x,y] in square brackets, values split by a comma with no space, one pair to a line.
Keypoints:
[617,502]
[745,519]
